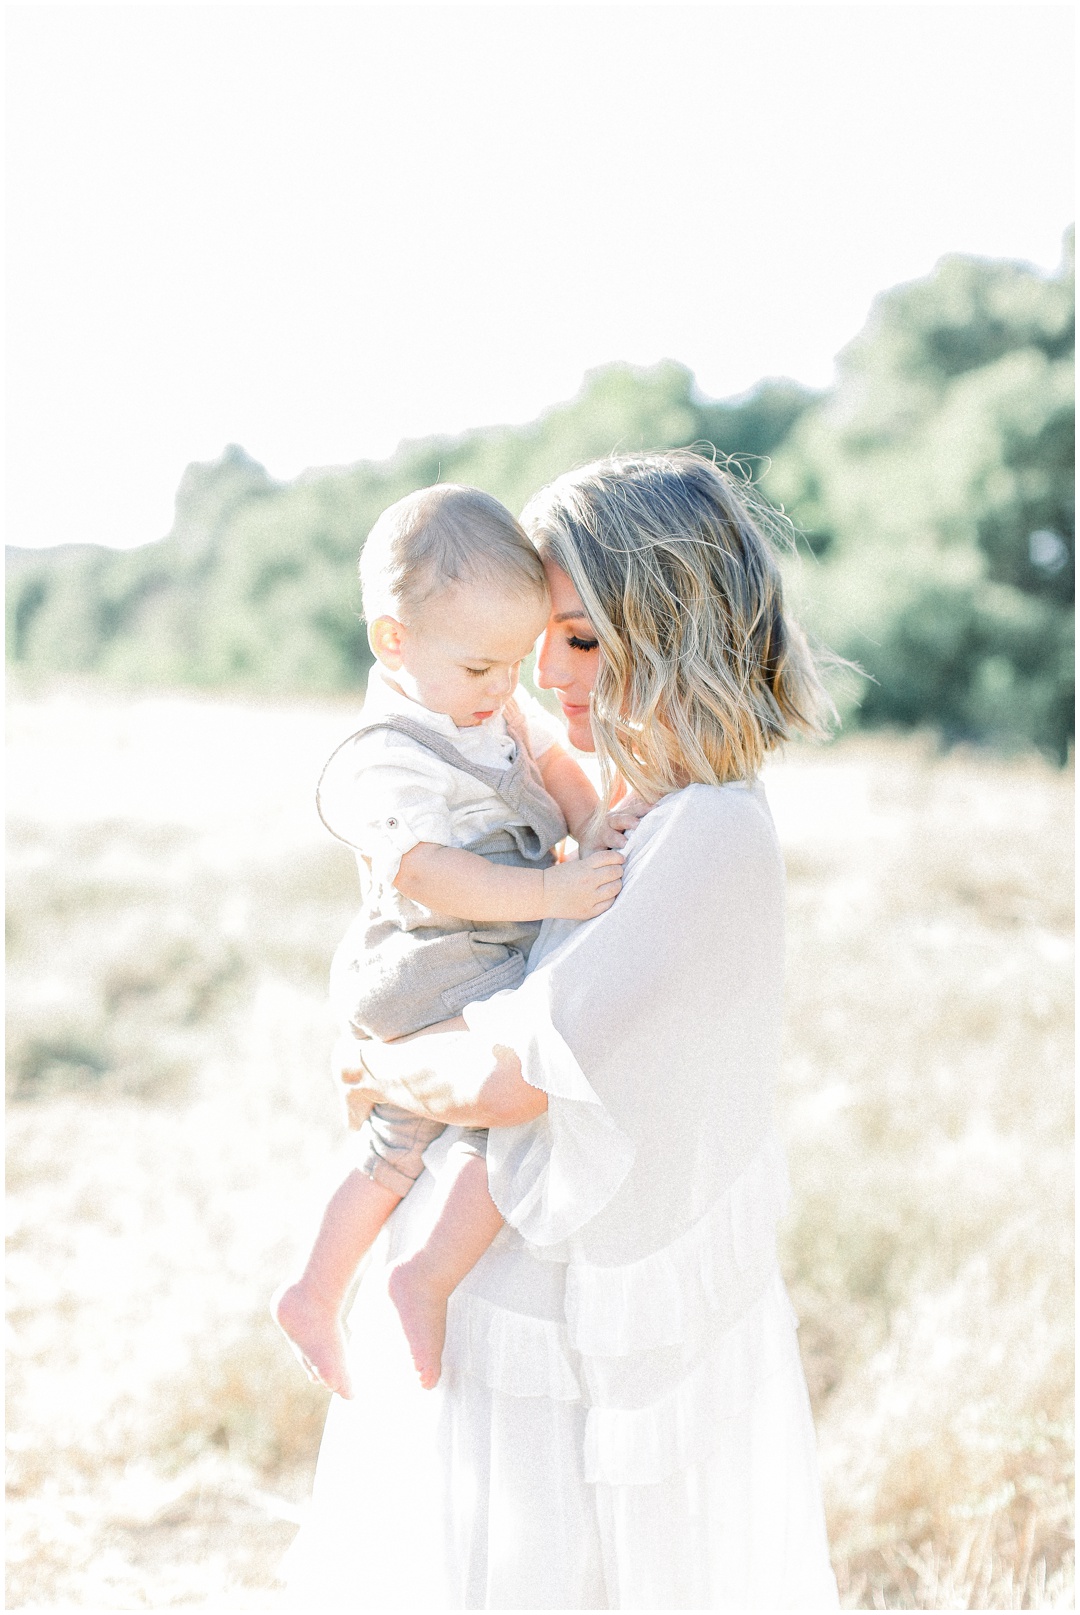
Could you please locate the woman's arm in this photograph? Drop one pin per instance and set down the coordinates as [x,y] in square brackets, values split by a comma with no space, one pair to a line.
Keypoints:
[446,1073]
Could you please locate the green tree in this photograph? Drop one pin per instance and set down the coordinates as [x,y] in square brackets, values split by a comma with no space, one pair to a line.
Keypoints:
[935,486]
[255,586]
[932,487]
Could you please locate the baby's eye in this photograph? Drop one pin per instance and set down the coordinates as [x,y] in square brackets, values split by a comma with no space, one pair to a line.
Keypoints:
[582,644]
[476,672]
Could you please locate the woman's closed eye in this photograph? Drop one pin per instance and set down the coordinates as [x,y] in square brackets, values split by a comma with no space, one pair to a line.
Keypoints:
[576,643]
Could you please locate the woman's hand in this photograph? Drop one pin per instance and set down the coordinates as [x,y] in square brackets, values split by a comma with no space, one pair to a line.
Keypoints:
[445,1073]
[355,1082]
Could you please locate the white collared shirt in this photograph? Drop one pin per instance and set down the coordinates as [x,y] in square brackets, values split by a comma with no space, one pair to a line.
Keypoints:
[385,793]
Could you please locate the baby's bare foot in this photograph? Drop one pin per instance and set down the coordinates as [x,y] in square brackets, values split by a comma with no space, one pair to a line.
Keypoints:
[421,1305]
[313,1329]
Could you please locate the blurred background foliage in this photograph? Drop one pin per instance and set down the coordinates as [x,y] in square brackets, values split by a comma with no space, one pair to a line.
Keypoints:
[931,488]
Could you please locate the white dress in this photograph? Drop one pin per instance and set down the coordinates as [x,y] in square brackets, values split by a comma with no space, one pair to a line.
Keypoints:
[622,1420]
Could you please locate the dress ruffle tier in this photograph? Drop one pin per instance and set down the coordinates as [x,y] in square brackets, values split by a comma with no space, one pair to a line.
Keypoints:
[663,1319]
[509,1352]
[670,1296]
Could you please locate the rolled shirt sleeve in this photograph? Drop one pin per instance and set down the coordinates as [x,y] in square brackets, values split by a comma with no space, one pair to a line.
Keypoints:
[383,795]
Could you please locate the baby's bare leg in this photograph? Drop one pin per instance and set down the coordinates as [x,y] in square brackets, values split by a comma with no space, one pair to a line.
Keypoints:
[420,1285]
[309,1310]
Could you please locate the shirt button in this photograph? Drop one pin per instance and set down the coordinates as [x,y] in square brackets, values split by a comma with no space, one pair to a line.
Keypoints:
[391,824]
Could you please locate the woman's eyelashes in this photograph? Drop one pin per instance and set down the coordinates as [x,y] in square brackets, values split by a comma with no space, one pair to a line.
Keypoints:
[581,644]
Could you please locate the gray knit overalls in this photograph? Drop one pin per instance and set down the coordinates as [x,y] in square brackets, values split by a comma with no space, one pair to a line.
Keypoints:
[390,977]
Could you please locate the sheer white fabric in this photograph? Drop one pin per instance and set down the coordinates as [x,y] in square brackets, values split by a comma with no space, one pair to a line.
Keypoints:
[622,1421]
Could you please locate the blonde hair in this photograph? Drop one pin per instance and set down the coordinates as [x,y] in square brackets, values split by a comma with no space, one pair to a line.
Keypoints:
[440,536]
[701,672]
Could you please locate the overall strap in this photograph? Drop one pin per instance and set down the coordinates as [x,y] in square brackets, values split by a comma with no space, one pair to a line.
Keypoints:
[436,743]
[442,748]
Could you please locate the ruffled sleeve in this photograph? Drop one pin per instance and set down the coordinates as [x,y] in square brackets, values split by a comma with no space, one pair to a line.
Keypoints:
[654,1030]
[550,1176]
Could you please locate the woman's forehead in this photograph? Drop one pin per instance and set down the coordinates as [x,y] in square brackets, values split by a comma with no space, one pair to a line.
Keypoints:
[565,603]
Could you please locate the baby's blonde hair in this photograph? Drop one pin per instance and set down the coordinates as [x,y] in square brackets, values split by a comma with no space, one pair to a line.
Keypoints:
[701,671]
[440,536]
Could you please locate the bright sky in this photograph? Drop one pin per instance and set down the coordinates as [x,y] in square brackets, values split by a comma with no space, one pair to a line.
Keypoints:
[317,230]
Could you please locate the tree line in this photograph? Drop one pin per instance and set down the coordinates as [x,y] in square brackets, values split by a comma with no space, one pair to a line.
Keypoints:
[929,490]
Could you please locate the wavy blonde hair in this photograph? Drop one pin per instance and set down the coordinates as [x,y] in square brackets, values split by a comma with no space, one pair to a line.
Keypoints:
[701,671]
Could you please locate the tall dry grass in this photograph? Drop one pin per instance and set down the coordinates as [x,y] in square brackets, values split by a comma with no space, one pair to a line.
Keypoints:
[172,907]
[928,1095]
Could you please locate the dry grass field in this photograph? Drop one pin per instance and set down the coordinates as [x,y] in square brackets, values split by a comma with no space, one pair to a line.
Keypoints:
[173,904]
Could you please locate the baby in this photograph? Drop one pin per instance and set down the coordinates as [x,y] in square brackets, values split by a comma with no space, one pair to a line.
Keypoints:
[454,795]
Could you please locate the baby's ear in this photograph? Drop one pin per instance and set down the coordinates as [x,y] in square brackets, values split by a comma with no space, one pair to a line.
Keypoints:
[385,636]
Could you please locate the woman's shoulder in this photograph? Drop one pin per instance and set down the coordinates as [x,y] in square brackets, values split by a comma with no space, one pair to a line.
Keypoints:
[736,810]
[704,840]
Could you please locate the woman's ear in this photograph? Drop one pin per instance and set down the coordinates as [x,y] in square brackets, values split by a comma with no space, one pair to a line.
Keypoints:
[386,637]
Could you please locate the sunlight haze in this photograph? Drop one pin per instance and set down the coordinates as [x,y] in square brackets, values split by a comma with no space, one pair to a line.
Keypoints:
[316,231]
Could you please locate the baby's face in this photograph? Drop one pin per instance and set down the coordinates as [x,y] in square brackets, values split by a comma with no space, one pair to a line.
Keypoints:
[460,655]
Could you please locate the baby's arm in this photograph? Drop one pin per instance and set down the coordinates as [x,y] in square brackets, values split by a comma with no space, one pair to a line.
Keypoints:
[450,880]
[568,783]
[571,787]
[613,830]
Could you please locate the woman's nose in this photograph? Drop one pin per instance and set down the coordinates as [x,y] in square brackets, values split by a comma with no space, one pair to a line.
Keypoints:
[549,671]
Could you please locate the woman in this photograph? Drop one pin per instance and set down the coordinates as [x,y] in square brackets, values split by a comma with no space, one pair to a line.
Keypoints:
[622,1420]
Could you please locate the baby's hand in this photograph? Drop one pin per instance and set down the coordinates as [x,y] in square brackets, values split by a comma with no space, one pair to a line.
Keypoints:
[620,821]
[582,887]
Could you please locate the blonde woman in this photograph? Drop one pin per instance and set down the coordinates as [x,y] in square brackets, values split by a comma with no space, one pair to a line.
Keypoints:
[622,1420]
